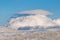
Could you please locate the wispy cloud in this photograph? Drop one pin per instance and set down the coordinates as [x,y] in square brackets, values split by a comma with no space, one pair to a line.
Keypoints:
[37,12]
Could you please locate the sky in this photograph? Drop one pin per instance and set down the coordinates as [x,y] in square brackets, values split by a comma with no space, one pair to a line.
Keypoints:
[10,7]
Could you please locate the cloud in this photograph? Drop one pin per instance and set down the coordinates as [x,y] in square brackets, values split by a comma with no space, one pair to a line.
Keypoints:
[39,19]
[57,21]
[32,21]
[37,12]
[6,29]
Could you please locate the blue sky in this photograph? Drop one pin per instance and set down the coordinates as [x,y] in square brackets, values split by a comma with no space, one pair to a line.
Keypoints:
[10,7]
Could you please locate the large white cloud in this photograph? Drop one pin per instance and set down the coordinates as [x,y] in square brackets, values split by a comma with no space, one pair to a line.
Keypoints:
[31,21]
[39,19]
